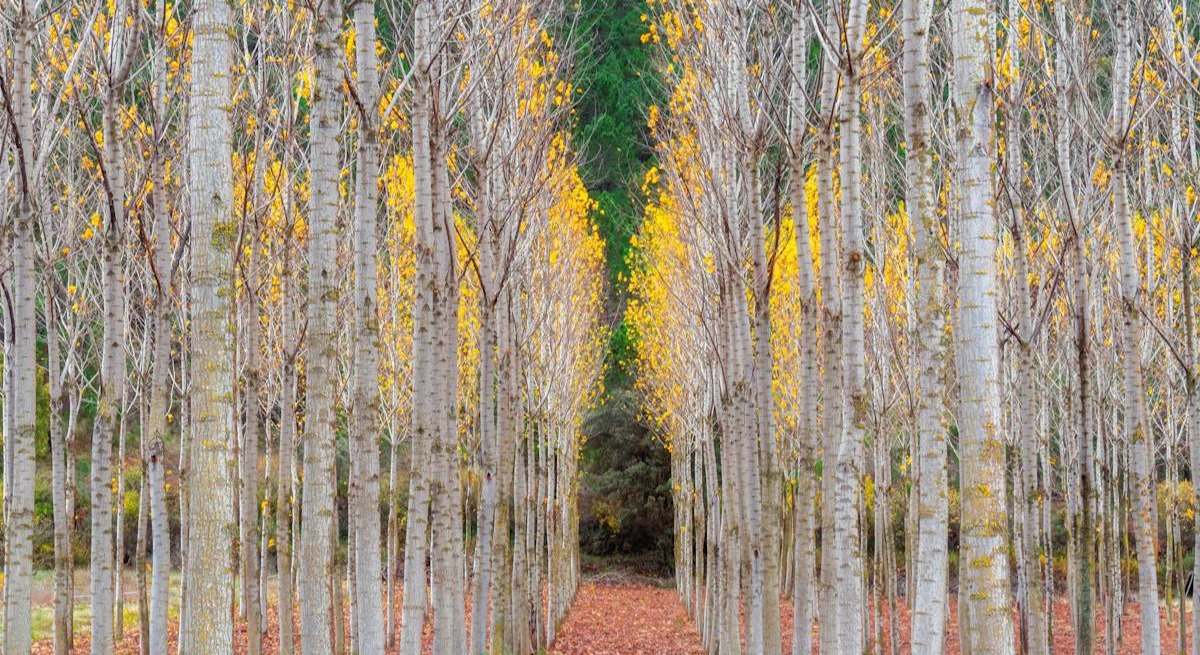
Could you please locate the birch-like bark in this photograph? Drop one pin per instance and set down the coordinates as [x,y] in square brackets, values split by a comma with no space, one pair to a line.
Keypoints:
[393,542]
[112,352]
[984,592]
[506,422]
[20,400]
[831,331]
[538,538]
[1136,425]
[519,612]
[488,397]
[185,457]
[285,509]
[63,562]
[211,526]
[769,487]
[417,529]
[1084,406]
[316,539]
[248,465]
[266,517]
[338,609]
[1192,409]
[809,436]
[447,565]
[1176,49]
[743,418]
[730,540]
[929,608]
[850,451]
[6,375]
[139,557]
[118,504]
[365,476]
[156,426]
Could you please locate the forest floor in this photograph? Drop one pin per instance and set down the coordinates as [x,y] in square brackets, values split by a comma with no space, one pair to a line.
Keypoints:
[627,619]
[1063,633]
[621,617]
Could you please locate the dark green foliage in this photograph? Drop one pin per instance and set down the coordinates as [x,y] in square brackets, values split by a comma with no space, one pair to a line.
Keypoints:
[617,79]
[615,74]
[625,497]
[622,354]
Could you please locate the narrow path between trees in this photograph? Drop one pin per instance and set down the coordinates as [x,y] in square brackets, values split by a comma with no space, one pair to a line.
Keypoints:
[627,619]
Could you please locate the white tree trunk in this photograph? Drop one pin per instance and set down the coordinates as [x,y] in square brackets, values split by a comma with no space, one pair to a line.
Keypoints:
[393,542]
[20,406]
[285,508]
[118,498]
[112,382]
[831,386]
[482,582]
[1136,424]
[248,467]
[316,539]
[161,361]
[851,609]
[984,595]
[365,477]
[209,567]
[809,437]
[63,561]
[424,385]
[932,568]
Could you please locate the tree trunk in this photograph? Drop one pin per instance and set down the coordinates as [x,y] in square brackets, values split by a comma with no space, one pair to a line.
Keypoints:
[832,407]
[1136,425]
[118,502]
[209,567]
[365,476]
[20,405]
[929,610]
[804,507]
[156,419]
[319,481]
[112,382]
[286,506]
[63,561]
[393,541]
[488,398]
[424,323]
[851,604]
[248,467]
[984,595]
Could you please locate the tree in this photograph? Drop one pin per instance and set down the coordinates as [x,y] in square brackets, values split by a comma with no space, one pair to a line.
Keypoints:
[984,594]
[929,616]
[316,559]
[808,439]
[110,152]
[365,514]
[1136,427]
[19,357]
[209,569]
[161,269]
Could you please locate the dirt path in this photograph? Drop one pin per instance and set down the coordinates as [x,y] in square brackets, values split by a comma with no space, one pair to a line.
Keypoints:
[626,619]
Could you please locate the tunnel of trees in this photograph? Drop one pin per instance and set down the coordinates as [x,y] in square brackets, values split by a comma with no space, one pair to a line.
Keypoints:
[355,326]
